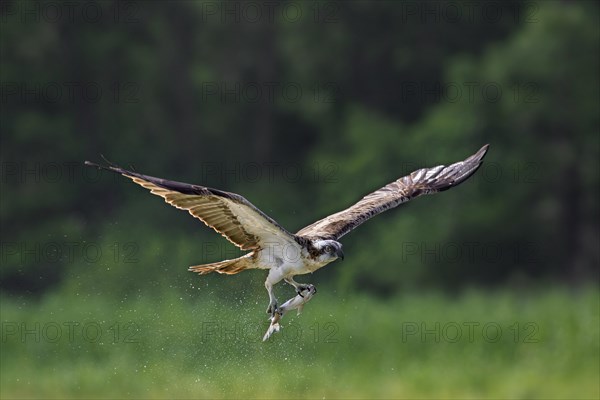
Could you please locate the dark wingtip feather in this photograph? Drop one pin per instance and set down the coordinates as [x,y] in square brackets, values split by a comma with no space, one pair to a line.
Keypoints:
[472,164]
[482,152]
[478,157]
[93,164]
[110,167]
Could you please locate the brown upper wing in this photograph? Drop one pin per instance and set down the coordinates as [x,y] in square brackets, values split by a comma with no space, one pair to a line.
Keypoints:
[230,214]
[422,181]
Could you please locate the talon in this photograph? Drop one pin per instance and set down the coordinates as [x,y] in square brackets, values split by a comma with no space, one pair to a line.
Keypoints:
[302,288]
[276,311]
[310,287]
[272,309]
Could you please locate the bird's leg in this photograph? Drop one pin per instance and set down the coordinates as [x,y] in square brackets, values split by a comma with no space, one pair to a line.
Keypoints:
[273,308]
[300,287]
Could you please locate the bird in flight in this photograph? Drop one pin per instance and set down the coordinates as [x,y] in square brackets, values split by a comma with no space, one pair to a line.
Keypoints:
[272,247]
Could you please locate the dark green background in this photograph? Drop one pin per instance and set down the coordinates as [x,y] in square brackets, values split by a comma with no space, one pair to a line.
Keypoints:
[301,107]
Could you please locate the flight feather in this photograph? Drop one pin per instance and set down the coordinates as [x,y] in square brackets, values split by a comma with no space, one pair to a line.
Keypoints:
[419,182]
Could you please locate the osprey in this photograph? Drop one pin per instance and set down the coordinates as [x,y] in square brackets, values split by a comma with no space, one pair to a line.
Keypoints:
[271,246]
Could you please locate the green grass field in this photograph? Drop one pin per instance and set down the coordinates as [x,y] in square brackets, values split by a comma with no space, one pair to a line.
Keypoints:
[501,344]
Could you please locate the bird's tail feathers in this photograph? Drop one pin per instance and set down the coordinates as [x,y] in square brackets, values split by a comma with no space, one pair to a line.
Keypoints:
[228,267]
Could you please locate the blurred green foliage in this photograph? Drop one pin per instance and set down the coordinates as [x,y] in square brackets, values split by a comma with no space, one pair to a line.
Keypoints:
[485,345]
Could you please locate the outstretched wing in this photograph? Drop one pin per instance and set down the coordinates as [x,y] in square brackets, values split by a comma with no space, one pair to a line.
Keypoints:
[230,214]
[422,181]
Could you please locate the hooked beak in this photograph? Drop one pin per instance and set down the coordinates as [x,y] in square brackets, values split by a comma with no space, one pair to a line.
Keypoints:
[340,254]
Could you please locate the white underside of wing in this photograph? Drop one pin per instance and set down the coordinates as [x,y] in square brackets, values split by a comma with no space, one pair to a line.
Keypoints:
[257,225]
[279,250]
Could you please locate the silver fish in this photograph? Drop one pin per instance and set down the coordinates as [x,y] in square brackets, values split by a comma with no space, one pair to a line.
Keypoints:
[295,303]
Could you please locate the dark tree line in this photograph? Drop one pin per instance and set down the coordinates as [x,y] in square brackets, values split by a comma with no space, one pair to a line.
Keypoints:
[334,104]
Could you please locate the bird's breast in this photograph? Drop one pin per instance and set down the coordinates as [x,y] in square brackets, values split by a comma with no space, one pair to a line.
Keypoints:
[289,261]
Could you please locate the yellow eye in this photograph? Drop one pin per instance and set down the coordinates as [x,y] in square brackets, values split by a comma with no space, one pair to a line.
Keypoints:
[328,249]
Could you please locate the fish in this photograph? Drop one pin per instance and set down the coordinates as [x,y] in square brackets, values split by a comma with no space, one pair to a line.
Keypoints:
[295,303]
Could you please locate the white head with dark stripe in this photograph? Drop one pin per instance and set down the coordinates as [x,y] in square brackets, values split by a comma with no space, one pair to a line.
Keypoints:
[328,250]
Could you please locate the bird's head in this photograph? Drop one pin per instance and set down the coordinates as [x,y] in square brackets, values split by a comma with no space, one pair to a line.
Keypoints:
[328,250]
